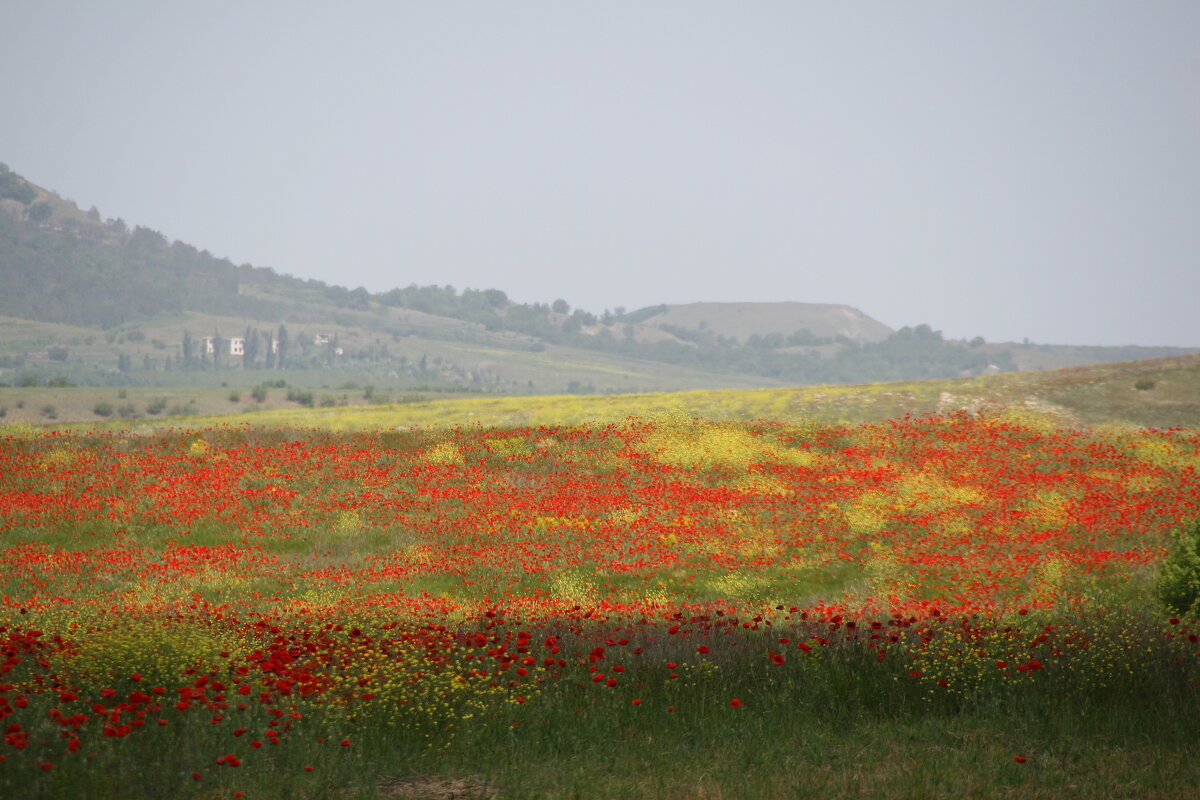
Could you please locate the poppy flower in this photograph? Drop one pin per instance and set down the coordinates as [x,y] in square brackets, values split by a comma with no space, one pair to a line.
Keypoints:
[735,703]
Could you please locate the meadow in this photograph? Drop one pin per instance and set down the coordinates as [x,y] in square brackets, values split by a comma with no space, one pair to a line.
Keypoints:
[964,604]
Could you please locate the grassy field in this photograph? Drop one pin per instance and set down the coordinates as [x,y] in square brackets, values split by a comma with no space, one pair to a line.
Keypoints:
[948,606]
[1158,393]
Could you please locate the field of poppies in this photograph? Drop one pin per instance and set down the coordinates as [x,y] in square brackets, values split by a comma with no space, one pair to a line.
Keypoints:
[939,606]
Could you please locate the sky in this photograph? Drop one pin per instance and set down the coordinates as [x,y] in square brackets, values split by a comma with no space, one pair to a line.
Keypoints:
[1018,169]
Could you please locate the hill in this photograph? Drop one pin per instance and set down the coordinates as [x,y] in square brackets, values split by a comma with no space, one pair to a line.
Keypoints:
[93,302]
[743,320]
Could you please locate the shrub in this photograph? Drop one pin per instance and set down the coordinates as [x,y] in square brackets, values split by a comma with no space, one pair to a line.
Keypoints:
[156,406]
[1143,384]
[1179,581]
[304,398]
[103,409]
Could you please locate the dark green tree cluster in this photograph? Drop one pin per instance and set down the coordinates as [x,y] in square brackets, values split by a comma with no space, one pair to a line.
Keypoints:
[12,187]
[56,277]
[106,275]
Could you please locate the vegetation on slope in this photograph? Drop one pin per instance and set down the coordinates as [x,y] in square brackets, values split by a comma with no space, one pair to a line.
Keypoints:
[59,265]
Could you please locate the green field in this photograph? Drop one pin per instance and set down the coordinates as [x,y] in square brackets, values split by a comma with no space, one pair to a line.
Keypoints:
[1159,393]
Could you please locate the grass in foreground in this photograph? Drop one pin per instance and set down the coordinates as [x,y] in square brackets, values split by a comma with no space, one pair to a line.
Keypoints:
[932,607]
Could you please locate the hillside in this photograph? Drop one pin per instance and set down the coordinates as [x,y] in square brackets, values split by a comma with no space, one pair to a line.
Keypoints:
[93,302]
[743,320]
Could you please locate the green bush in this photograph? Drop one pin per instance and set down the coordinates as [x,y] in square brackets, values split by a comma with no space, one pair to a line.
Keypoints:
[103,409]
[304,398]
[1179,581]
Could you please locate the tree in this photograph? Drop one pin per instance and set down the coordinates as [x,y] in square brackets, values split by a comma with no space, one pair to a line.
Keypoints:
[217,344]
[495,297]
[560,306]
[11,186]
[187,349]
[249,347]
[270,342]
[281,356]
[40,212]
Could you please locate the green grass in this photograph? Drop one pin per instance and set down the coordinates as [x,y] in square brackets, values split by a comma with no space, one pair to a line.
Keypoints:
[836,724]
[1098,395]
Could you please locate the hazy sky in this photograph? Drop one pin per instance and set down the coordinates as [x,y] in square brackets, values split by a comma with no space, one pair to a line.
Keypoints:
[1007,169]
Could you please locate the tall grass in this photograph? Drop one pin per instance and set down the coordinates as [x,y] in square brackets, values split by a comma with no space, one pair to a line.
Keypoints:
[1113,716]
